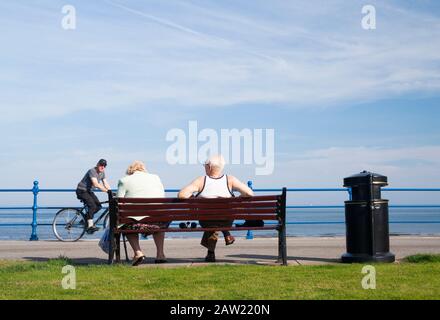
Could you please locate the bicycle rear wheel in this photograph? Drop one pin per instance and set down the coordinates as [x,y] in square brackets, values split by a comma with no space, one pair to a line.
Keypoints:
[69,225]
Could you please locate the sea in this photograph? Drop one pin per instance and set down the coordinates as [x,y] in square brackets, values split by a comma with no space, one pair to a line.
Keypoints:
[16,225]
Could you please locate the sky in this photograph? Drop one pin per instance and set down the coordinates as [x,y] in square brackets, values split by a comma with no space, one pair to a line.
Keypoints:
[340,99]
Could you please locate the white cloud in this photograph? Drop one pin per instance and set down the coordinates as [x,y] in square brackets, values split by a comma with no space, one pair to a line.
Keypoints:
[207,54]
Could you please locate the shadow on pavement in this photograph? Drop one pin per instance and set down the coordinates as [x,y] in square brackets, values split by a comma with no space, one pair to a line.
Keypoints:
[273,258]
[151,261]
[76,261]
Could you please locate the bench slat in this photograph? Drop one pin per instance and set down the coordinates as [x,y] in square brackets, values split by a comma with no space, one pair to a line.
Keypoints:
[124,213]
[193,217]
[131,206]
[199,229]
[197,200]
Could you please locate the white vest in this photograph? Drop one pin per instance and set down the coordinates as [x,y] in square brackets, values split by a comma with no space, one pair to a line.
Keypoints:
[215,188]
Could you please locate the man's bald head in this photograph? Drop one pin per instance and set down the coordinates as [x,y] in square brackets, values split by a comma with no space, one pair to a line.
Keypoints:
[216,163]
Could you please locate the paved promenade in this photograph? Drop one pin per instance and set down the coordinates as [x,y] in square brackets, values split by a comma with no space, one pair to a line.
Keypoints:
[188,252]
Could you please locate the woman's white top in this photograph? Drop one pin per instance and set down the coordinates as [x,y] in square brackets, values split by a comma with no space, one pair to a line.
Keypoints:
[215,188]
[141,185]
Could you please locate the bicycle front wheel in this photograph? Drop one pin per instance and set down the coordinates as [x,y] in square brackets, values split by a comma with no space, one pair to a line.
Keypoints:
[69,225]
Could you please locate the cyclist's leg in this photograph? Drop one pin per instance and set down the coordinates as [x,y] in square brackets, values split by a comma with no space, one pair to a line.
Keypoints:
[90,202]
[96,202]
[96,207]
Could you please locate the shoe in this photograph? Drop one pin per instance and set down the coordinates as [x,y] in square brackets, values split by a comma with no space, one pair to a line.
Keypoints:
[204,243]
[160,261]
[210,257]
[213,237]
[137,260]
[229,240]
[92,229]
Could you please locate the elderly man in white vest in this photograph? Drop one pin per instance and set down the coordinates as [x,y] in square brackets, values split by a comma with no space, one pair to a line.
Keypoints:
[215,184]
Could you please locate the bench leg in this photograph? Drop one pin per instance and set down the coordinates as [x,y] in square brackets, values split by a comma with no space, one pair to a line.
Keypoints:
[282,246]
[111,256]
[124,238]
[118,248]
[111,253]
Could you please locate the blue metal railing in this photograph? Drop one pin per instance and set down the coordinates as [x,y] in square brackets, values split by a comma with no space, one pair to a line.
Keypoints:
[36,191]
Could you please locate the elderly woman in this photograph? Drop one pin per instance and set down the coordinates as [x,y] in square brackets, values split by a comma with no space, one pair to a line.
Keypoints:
[140,184]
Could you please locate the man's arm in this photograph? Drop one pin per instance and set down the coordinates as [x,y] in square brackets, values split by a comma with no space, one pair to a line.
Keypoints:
[97,185]
[195,186]
[106,185]
[239,186]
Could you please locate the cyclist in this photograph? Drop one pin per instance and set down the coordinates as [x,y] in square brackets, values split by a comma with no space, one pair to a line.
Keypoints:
[94,178]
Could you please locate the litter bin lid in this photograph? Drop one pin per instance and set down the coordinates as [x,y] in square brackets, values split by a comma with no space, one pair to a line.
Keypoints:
[364,178]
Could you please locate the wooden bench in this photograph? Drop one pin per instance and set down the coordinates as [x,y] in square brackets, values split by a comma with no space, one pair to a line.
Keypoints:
[269,208]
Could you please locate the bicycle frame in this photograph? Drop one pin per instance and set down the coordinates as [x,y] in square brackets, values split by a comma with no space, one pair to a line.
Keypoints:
[101,217]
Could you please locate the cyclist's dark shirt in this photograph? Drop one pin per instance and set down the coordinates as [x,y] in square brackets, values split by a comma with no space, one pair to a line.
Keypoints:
[86,182]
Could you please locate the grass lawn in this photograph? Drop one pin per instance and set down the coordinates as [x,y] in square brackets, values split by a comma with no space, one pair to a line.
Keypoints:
[418,277]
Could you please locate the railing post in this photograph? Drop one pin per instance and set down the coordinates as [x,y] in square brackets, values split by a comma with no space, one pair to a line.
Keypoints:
[250,234]
[350,194]
[35,191]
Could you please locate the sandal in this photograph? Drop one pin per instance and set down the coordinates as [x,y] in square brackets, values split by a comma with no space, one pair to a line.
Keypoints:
[137,260]
[229,240]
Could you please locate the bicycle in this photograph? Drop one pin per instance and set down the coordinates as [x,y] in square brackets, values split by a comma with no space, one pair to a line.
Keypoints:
[70,224]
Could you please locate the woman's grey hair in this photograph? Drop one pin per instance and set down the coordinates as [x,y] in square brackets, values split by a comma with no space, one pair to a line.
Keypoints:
[136,166]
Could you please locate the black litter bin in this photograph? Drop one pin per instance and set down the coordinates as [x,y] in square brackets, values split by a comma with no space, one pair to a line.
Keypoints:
[366,220]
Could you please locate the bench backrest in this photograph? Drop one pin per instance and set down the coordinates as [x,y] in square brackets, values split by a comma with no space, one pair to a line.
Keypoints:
[270,207]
